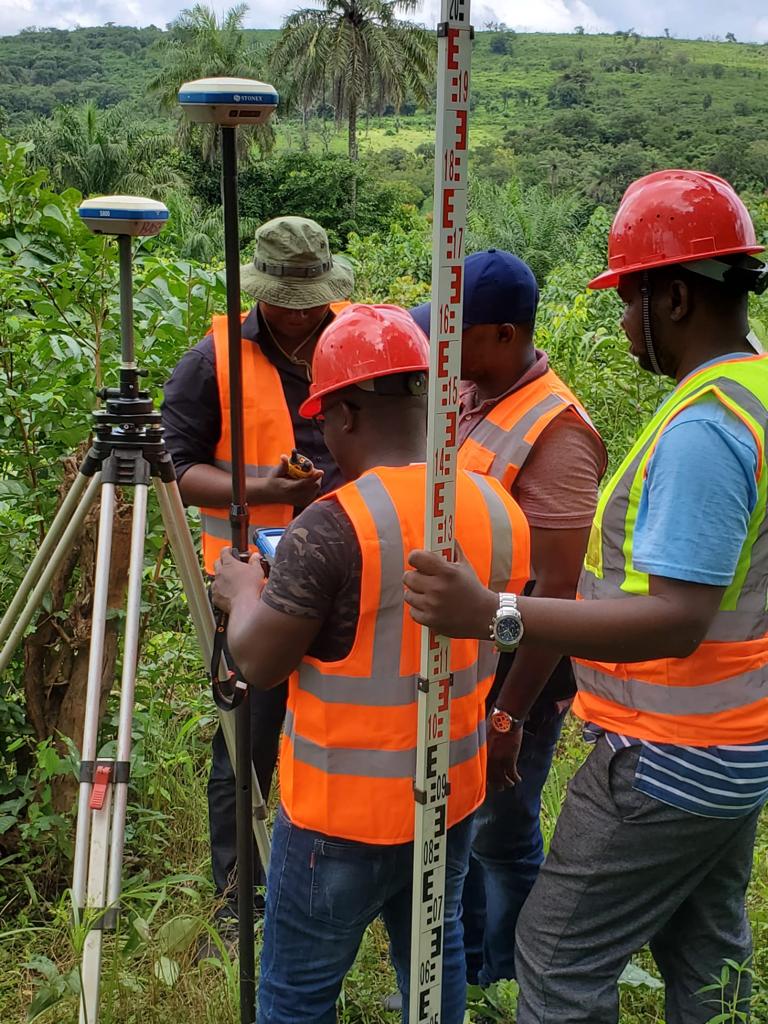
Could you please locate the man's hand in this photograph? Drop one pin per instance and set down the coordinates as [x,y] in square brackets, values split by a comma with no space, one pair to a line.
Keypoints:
[448,597]
[277,488]
[235,580]
[503,751]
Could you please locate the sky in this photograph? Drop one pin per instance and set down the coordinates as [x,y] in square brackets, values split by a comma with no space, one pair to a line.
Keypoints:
[747,19]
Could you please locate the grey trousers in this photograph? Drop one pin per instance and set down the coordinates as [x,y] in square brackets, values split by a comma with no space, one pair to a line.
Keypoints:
[625,870]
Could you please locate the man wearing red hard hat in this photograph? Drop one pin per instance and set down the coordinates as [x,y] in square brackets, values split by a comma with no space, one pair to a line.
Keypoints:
[656,837]
[332,617]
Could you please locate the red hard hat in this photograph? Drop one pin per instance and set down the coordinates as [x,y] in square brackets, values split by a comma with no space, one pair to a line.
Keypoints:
[363,343]
[675,217]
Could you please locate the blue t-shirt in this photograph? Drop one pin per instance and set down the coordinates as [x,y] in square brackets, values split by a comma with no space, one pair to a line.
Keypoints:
[697,498]
[701,475]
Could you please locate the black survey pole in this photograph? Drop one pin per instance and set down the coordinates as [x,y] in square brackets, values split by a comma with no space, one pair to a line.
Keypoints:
[238,515]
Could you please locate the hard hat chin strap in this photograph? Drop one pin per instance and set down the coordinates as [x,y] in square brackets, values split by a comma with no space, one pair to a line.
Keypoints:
[645,291]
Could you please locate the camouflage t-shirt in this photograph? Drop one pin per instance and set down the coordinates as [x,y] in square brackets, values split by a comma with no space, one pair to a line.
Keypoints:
[317,573]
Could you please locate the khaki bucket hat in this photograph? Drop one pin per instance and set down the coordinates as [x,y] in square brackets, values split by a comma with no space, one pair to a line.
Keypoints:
[293,266]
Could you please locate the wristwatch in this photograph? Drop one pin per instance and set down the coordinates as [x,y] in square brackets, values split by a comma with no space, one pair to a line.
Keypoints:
[507,624]
[502,721]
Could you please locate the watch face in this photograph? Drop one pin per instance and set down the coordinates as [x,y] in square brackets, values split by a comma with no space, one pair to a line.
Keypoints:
[509,630]
[501,721]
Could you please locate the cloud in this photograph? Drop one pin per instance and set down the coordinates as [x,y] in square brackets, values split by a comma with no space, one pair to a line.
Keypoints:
[536,16]
[704,18]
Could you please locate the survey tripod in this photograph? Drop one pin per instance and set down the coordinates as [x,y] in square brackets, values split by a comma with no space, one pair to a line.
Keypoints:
[127,452]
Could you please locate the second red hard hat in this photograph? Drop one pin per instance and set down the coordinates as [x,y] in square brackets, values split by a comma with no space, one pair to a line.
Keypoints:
[362,344]
[676,217]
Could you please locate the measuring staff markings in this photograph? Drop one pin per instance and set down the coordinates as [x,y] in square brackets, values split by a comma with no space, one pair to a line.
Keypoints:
[432,785]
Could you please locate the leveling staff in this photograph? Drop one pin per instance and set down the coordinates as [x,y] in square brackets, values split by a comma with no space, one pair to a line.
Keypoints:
[298,287]
[520,424]
[656,837]
[333,615]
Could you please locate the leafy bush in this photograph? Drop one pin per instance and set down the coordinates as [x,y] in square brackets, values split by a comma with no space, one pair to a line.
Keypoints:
[59,339]
[394,265]
[310,185]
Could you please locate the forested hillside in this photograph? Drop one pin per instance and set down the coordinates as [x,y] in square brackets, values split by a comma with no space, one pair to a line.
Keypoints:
[580,110]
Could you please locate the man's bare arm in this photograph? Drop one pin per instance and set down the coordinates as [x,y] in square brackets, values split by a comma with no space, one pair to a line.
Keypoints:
[670,622]
[265,644]
[203,484]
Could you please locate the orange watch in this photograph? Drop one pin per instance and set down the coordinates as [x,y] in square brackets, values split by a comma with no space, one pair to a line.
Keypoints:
[502,721]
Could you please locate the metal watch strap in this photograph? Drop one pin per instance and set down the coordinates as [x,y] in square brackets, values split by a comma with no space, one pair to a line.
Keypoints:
[507,604]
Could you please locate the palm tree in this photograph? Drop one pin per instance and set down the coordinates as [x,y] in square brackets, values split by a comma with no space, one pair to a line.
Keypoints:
[195,231]
[355,54]
[536,225]
[99,152]
[199,45]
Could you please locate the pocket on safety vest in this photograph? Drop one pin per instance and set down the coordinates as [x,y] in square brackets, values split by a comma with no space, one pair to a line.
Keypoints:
[475,458]
[345,890]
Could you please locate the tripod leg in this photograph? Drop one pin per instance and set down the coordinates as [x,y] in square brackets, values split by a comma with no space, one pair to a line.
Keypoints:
[127,691]
[98,864]
[58,541]
[185,556]
[93,693]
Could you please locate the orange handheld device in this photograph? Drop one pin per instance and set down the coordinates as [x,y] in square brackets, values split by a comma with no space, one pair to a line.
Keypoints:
[299,466]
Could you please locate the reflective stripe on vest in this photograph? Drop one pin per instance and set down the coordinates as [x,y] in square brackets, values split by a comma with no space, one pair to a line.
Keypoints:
[719,694]
[376,764]
[267,433]
[348,751]
[501,441]
[267,430]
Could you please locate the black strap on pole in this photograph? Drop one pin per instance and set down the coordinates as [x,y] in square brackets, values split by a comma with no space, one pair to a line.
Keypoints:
[238,515]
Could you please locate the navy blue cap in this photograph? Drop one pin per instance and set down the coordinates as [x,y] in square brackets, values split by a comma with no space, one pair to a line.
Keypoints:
[499,288]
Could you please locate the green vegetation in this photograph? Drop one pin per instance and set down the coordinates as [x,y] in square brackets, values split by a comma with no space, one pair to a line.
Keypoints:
[559,126]
[199,45]
[580,111]
[356,56]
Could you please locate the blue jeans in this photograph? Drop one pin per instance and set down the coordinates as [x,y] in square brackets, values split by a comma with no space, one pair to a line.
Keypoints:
[507,852]
[322,893]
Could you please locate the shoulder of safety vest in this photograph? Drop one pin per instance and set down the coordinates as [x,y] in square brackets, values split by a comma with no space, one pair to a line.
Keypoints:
[741,385]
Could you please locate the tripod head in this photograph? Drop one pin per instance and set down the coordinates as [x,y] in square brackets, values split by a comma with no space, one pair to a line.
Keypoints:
[228,101]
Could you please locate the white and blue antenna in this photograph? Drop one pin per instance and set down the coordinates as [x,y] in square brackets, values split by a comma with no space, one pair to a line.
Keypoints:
[228,101]
[124,215]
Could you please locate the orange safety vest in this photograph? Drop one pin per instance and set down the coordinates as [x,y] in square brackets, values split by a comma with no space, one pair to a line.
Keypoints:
[719,694]
[348,754]
[267,431]
[501,441]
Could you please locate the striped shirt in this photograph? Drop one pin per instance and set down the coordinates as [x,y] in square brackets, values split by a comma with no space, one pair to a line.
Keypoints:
[713,782]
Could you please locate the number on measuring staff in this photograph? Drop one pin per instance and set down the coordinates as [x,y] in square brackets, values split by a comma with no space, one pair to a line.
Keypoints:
[452,166]
[435,911]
